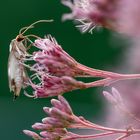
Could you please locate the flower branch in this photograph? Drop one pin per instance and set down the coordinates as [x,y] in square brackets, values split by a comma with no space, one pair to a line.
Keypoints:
[56,71]
[61,118]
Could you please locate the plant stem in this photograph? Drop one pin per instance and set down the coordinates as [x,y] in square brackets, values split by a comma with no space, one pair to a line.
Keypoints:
[89,136]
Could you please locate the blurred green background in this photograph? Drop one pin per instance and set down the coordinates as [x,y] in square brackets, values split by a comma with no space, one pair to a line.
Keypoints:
[92,50]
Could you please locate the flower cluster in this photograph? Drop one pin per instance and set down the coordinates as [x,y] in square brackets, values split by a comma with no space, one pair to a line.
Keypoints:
[53,59]
[56,71]
[53,86]
[91,13]
[54,126]
[116,15]
[60,118]
[116,100]
[57,61]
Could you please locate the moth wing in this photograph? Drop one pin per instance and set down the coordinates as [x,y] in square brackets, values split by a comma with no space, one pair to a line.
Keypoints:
[12,64]
[16,70]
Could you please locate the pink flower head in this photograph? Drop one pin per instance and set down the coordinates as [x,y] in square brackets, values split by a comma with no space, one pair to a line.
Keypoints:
[90,13]
[53,86]
[54,59]
[60,118]
[114,97]
[53,127]
[56,70]
[119,15]
[32,134]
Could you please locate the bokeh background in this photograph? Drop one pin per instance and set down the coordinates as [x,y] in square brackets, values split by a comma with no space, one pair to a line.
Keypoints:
[98,50]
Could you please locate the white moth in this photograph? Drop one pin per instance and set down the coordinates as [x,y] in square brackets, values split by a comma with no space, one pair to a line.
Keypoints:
[18,51]
[16,70]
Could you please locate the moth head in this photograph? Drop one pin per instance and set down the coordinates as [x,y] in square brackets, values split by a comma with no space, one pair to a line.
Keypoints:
[20,38]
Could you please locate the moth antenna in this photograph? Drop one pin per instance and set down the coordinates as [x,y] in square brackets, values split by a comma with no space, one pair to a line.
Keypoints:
[32,35]
[24,28]
[30,26]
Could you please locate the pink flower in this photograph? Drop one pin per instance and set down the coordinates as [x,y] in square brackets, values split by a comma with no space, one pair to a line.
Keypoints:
[53,127]
[114,97]
[60,118]
[32,134]
[55,71]
[53,86]
[91,13]
[54,59]
[119,15]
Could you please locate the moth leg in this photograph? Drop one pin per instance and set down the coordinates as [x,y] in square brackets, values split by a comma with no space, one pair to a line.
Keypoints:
[25,42]
[29,46]
[18,50]
[29,40]
[34,76]
[27,66]
[28,95]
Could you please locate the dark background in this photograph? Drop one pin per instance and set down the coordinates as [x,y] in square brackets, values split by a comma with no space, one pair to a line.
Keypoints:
[97,51]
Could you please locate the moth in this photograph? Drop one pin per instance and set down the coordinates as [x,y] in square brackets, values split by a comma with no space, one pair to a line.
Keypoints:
[16,69]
